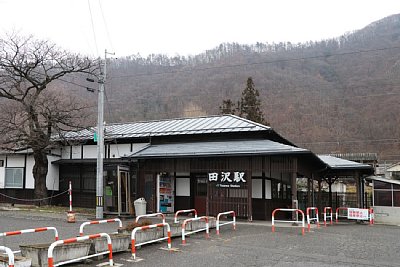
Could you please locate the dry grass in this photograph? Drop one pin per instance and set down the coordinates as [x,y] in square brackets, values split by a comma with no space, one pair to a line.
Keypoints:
[132,225]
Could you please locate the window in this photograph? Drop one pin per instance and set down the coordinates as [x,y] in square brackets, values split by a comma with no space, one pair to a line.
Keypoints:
[14,178]
[382,185]
[383,198]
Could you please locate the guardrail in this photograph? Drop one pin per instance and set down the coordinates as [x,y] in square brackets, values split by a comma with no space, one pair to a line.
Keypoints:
[99,222]
[218,225]
[328,216]
[338,213]
[151,215]
[34,230]
[184,211]
[309,220]
[10,255]
[50,260]
[207,229]
[133,242]
[286,221]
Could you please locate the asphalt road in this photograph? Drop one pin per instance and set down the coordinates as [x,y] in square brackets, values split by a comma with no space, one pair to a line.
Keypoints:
[253,244]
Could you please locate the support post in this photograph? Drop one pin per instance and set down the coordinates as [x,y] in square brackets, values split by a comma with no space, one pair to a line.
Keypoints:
[100,139]
[309,193]
[330,191]
[294,195]
[100,142]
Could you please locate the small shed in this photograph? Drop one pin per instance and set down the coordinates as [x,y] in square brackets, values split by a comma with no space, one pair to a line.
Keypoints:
[386,200]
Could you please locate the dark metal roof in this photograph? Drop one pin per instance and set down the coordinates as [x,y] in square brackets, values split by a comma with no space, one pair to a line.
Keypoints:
[181,126]
[338,163]
[382,179]
[217,148]
[357,156]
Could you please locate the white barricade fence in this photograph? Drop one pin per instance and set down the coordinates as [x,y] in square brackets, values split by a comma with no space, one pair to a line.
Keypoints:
[326,216]
[233,222]
[50,259]
[343,215]
[356,214]
[184,211]
[100,222]
[141,228]
[287,221]
[10,255]
[158,214]
[310,218]
[34,230]
[184,233]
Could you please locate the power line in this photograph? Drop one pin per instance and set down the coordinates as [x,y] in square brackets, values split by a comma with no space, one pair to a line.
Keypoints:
[93,29]
[105,25]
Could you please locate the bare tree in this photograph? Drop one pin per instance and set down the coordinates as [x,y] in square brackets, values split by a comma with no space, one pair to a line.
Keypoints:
[32,112]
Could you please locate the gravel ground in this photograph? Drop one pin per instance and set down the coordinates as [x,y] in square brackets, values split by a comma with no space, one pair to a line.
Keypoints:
[253,244]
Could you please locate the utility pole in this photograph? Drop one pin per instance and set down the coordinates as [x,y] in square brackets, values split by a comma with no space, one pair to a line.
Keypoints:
[100,139]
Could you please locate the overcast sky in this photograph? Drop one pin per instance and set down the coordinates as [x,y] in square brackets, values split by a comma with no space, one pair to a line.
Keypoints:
[185,26]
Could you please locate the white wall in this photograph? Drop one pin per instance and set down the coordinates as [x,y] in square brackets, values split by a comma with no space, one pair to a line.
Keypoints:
[90,152]
[65,152]
[2,172]
[29,182]
[15,161]
[387,215]
[119,150]
[76,152]
[52,179]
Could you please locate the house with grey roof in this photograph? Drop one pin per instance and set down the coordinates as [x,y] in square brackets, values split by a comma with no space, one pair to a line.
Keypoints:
[210,163]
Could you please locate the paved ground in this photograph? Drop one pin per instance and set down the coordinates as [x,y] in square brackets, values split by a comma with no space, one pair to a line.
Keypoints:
[252,244]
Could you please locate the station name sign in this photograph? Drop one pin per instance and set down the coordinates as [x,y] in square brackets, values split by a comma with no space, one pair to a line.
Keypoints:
[227,179]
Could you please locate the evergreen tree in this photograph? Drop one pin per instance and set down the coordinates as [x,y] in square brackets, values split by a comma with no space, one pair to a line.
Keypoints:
[227,107]
[250,104]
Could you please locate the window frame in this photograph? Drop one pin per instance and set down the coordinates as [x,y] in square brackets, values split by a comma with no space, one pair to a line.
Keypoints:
[14,169]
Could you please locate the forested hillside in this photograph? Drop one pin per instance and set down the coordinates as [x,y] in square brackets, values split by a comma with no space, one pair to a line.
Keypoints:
[337,95]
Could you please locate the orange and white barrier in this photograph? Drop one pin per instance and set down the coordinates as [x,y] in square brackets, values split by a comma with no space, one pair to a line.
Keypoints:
[141,228]
[371,216]
[218,224]
[50,260]
[35,230]
[326,216]
[99,222]
[338,215]
[287,221]
[184,233]
[159,214]
[10,255]
[70,196]
[184,211]
[311,219]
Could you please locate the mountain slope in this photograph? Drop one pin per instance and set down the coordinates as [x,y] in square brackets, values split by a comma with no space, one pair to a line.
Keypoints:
[337,95]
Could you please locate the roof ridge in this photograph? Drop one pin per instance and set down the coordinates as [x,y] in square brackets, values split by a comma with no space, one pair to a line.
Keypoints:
[171,119]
